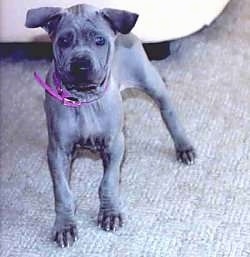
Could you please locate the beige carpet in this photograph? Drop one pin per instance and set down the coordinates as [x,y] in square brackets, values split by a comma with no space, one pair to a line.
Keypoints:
[171,210]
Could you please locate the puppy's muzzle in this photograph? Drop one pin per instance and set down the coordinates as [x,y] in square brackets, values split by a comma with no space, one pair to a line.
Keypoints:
[80,68]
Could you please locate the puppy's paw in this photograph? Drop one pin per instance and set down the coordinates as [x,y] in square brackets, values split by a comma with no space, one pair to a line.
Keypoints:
[109,221]
[65,233]
[186,155]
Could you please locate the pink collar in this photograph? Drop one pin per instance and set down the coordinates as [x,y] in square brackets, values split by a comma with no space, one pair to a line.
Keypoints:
[62,95]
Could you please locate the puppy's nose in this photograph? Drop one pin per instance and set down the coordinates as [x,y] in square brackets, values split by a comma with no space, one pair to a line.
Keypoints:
[80,66]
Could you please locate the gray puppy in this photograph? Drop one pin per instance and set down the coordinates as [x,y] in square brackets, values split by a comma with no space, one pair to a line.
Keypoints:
[94,56]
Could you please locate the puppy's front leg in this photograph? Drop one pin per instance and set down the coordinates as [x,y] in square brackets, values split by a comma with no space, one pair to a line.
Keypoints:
[59,160]
[109,217]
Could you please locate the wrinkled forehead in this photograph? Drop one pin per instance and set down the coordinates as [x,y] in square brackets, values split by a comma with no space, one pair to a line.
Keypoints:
[85,17]
[83,9]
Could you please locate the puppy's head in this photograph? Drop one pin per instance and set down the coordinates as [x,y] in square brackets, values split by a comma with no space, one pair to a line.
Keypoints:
[83,40]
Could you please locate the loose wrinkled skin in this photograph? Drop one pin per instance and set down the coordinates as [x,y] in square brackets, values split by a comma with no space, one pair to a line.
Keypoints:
[77,37]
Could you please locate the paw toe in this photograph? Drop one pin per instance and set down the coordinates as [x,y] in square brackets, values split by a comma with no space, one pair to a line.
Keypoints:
[66,236]
[186,156]
[109,222]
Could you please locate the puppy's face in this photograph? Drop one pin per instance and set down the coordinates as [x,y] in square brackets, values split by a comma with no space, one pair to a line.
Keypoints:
[83,45]
[83,41]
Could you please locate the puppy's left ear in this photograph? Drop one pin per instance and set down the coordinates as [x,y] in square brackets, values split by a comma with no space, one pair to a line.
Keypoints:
[121,21]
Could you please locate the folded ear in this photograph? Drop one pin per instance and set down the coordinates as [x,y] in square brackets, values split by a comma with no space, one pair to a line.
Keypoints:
[45,17]
[122,21]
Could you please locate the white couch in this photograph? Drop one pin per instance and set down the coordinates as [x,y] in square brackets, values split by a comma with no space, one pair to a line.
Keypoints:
[159,20]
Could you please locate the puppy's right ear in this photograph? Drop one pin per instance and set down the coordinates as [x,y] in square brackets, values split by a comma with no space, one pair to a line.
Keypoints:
[45,17]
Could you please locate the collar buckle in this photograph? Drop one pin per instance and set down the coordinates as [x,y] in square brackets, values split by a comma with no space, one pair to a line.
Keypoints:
[71,101]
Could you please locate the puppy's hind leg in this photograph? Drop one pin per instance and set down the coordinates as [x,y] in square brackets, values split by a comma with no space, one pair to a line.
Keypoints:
[146,78]
[154,87]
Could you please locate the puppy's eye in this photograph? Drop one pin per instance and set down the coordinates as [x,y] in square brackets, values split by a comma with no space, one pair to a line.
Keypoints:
[65,41]
[100,41]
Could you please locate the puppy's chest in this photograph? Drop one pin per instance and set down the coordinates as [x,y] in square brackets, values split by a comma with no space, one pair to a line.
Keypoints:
[91,123]
[96,126]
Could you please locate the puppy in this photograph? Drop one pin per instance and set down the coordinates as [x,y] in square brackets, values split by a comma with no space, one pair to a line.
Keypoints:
[94,54]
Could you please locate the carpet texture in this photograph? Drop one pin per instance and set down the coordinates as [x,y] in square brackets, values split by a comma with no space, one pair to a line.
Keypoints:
[171,210]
